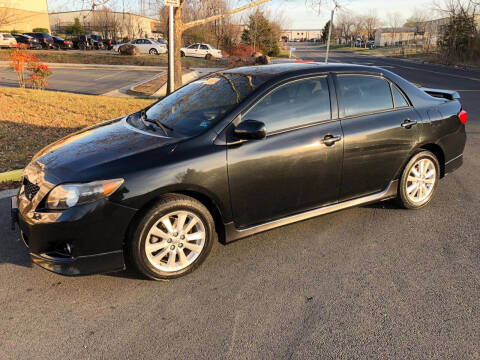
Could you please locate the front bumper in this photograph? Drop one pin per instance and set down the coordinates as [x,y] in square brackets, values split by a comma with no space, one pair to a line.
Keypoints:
[82,240]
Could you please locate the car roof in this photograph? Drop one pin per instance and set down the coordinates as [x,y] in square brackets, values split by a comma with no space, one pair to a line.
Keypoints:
[300,68]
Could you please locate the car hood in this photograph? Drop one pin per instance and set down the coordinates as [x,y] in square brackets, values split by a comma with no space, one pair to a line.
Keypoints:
[86,152]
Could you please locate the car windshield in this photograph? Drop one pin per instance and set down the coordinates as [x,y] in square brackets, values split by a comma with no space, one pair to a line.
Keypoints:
[58,38]
[199,105]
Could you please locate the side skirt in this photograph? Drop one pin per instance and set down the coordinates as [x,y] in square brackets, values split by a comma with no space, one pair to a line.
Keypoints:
[232,233]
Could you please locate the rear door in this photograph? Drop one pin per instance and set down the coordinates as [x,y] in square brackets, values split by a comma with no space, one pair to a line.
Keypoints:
[298,165]
[380,132]
[203,50]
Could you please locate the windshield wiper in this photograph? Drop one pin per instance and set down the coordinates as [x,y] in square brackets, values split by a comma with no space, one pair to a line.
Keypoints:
[164,127]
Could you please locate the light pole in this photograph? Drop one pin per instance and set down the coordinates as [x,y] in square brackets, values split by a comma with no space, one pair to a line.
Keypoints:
[171,67]
[329,35]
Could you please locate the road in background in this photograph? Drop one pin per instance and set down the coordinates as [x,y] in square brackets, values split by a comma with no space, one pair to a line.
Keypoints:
[96,81]
[369,282]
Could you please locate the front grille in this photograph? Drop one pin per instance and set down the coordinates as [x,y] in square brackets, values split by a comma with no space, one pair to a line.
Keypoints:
[30,189]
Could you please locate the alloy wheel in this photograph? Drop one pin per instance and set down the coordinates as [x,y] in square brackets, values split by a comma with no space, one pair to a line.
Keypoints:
[175,241]
[421,180]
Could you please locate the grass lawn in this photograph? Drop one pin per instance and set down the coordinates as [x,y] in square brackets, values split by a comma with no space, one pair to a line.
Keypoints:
[111,58]
[32,119]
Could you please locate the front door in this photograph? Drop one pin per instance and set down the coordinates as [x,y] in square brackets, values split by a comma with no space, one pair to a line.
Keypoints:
[377,136]
[298,165]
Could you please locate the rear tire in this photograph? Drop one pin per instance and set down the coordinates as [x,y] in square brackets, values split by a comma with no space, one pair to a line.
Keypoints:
[419,181]
[172,238]
[153,52]
[208,56]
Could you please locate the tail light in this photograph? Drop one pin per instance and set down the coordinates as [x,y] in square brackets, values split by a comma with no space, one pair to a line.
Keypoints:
[463,116]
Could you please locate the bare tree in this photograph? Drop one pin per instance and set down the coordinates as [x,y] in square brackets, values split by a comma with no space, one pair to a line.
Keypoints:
[344,24]
[394,20]
[372,22]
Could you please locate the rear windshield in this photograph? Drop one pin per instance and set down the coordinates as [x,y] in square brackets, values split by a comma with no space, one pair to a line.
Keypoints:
[202,103]
[59,38]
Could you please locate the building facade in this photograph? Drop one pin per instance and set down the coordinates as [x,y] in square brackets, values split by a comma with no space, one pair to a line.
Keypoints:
[109,24]
[23,15]
[301,34]
[394,36]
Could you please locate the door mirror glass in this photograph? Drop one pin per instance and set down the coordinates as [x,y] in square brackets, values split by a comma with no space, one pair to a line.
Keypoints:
[251,130]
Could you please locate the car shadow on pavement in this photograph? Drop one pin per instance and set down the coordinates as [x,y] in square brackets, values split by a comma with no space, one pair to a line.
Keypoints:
[387,204]
[12,249]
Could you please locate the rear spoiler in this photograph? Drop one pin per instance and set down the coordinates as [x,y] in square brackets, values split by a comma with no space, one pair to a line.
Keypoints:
[444,94]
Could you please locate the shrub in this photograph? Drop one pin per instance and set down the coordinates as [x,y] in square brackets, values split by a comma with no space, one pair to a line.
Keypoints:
[128,49]
[40,73]
[19,61]
[242,50]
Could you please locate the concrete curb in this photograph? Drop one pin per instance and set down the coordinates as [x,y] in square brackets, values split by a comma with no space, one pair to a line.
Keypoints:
[98,66]
[8,193]
[14,175]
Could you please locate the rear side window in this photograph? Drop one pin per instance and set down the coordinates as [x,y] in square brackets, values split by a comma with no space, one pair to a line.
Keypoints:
[7,36]
[294,104]
[364,94]
[204,47]
[398,98]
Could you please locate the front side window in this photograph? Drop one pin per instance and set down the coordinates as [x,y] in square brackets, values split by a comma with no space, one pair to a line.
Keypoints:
[364,94]
[193,47]
[298,103]
[201,104]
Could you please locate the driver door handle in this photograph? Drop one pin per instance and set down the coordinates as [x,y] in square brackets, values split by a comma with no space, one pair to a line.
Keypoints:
[330,140]
[407,123]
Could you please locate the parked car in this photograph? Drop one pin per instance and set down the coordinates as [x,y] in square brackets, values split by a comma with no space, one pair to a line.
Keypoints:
[7,40]
[61,43]
[82,42]
[43,38]
[201,50]
[27,41]
[371,44]
[145,46]
[98,43]
[235,153]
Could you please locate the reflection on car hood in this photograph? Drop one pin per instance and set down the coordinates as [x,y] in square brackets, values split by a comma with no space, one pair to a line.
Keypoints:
[96,146]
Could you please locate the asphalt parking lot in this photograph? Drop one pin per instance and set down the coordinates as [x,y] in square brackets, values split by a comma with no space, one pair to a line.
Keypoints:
[90,81]
[369,282]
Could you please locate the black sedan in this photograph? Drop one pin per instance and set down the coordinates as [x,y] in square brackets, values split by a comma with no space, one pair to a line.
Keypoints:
[61,43]
[230,155]
[29,41]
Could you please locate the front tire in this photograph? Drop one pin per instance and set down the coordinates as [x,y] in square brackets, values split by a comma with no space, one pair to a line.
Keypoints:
[182,54]
[419,181]
[172,238]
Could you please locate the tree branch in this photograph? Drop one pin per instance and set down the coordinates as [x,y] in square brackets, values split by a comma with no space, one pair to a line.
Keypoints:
[221,16]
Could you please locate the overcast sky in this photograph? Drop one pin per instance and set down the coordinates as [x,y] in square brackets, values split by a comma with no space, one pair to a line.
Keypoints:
[296,13]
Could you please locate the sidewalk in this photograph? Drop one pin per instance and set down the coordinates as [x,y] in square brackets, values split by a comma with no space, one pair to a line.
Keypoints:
[98,66]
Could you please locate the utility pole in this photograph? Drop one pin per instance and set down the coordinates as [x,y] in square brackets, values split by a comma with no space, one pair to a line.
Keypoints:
[171,67]
[171,48]
[335,6]
[329,35]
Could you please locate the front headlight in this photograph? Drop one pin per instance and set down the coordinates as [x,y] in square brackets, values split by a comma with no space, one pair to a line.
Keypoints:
[68,195]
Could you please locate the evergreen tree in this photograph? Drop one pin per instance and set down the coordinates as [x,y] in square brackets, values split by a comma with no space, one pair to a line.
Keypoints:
[261,35]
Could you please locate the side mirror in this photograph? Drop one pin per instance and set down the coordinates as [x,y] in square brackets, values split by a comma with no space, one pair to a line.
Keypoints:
[251,130]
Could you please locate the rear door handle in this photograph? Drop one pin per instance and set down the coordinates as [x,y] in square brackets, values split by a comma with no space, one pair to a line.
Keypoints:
[407,123]
[329,140]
